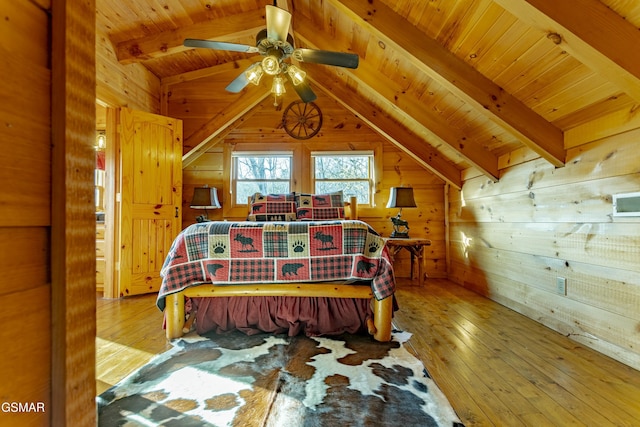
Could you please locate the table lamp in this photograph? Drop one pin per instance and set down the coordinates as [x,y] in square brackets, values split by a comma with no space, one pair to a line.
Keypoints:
[400,197]
[204,198]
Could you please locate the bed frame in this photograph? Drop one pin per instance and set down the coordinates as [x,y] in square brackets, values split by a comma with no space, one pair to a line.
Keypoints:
[379,327]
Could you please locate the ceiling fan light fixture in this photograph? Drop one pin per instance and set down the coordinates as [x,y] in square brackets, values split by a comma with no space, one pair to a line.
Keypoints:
[297,75]
[271,65]
[254,74]
[278,88]
[275,45]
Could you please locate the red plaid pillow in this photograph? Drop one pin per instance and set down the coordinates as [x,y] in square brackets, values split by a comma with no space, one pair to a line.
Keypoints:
[320,206]
[272,207]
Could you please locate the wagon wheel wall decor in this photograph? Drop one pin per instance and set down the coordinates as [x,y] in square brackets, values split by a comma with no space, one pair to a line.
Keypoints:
[302,120]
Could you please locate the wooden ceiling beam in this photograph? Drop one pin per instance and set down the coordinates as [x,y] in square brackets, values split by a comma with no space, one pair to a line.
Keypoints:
[389,128]
[457,76]
[239,65]
[404,107]
[433,127]
[589,31]
[228,29]
[214,131]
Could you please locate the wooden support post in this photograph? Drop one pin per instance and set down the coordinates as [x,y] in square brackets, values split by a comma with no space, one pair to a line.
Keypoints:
[174,315]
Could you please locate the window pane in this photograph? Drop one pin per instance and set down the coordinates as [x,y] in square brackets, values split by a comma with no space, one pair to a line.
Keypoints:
[343,167]
[360,189]
[263,167]
[261,173]
[245,189]
[349,173]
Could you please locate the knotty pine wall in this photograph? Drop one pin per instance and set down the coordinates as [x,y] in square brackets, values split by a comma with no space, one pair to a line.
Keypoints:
[510,240]
[25,211]
[46,213]
[119,85]
[341,130]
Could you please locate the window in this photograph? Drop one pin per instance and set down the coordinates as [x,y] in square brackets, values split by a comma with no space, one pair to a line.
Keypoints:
[260,172]
[350,172]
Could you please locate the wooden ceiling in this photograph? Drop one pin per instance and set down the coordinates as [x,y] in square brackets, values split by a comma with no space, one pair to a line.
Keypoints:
[458,84]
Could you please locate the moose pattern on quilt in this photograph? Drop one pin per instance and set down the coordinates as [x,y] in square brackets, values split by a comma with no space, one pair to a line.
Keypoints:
[277,252]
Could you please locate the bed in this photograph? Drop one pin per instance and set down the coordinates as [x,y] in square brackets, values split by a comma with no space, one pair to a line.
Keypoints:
[313,275]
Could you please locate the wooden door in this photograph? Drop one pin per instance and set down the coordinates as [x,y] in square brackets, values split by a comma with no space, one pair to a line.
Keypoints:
[150,197]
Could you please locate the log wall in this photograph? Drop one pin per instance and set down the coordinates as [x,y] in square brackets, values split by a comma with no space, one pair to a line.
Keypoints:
[512,239]
[341,130]
[25,210]
[47,214]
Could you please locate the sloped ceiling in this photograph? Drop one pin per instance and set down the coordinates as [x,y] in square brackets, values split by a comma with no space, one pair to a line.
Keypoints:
[456,83]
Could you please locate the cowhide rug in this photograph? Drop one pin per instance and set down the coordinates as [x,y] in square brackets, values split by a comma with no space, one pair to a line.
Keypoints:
[267,380]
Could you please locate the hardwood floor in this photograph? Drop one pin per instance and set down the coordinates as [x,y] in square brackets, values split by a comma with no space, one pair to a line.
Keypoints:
[129,333]
[497,368]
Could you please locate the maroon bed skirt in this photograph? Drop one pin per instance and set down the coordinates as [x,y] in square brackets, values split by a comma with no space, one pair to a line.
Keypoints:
[311,316]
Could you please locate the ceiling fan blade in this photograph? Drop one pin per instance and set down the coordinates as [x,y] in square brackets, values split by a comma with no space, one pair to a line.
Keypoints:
[303,90]
[210,44]
[278,21]
[238,83]
[339,59]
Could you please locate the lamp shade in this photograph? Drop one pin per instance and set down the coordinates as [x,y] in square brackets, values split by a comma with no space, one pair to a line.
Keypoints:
[401,197]
[254,73]
[278,86]
[296,74]
[205,198]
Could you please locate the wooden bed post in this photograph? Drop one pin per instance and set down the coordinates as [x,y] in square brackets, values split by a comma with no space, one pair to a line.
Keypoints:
[174,315]
[353,207]
[382,312]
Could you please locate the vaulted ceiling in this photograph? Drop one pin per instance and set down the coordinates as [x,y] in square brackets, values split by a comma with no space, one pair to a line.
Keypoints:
[458,84]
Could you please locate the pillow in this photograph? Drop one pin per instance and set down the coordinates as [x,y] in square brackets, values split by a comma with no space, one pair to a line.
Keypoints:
[272,207]
[320,206]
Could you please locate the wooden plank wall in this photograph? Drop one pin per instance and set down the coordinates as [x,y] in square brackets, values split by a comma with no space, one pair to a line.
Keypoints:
[25,210]
[341,130]
[46,224]
[510,240]
[427,220]
[119,85]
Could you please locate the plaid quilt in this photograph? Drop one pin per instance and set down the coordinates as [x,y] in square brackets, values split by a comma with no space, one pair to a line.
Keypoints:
[277,252]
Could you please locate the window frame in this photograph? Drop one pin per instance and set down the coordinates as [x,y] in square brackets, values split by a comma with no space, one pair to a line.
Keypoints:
[233,189]
[371,180]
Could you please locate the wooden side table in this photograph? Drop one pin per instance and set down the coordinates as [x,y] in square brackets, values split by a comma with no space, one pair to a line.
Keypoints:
[416,247]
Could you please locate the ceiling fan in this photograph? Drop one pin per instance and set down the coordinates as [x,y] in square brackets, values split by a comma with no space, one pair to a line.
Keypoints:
[276,45]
